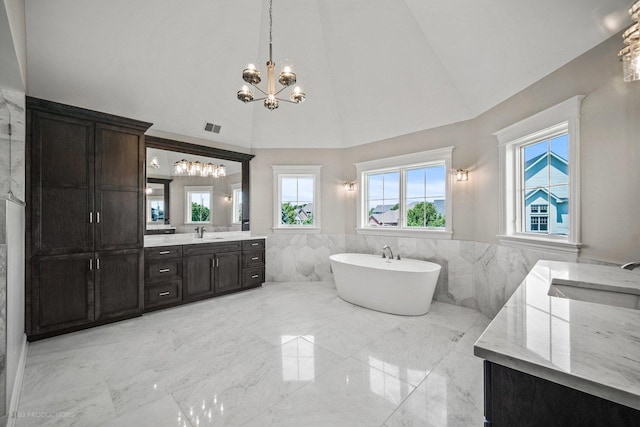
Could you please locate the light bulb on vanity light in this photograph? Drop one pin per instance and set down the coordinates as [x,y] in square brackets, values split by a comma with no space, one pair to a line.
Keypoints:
[462,175]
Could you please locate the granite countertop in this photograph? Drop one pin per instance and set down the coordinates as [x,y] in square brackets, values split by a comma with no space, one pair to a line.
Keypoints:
[152,240]
[587,346]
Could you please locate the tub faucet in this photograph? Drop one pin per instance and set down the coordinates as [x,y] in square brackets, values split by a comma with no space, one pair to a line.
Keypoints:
[631,265]
[384,254]
[200,232]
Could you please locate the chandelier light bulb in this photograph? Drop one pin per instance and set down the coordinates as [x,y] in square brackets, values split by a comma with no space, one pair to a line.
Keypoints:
[245,94]
[271,102]
[251,75]
[287,77]
[297,95]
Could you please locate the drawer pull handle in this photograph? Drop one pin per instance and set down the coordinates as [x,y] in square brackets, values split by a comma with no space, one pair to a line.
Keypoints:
[255,258]
[255,244]
[164,270]
[164,252]
[255,276]
[163,294]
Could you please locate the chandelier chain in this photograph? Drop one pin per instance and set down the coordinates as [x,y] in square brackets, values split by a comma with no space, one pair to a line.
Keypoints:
[270,30]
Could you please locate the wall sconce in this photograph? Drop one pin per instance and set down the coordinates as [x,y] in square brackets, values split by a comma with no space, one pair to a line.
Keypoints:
[227,197]
[461,175]
[148,190]
[349,186]
[154,163]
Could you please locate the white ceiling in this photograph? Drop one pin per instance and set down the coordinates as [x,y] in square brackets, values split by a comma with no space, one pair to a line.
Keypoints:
[372,69]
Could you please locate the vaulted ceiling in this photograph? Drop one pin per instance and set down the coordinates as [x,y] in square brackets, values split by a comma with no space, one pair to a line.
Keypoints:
[372,69]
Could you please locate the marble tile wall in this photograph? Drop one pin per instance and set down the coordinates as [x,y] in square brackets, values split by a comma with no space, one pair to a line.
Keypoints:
[476,275]
[12,179]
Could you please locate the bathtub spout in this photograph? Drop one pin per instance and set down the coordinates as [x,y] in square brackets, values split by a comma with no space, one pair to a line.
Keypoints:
[384,248]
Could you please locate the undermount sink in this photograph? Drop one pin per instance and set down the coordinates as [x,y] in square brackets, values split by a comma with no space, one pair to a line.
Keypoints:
[595,293]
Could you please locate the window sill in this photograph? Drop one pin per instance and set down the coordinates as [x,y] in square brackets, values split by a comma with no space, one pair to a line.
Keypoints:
[403,232]
[556,246]
[296,230]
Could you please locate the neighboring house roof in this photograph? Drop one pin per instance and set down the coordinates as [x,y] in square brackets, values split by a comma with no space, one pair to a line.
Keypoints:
[559,196]
[379,209]
[532,162]
[388,218]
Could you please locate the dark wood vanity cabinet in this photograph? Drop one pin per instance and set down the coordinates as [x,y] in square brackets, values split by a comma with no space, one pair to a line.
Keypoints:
[211,268]
[85,188]
[181,274]
[514,398]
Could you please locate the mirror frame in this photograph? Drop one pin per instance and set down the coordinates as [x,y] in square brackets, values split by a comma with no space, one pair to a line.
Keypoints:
[167,197]
[201,150]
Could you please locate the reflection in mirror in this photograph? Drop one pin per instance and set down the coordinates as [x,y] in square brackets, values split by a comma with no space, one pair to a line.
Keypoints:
[190,198]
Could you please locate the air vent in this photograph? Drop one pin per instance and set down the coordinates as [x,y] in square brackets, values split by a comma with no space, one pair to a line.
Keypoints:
[210,127]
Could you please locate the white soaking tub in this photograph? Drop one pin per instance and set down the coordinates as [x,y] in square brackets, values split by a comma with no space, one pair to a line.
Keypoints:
[402,287]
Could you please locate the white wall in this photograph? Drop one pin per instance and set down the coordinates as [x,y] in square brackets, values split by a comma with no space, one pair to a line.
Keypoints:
[13,45]
[610,155]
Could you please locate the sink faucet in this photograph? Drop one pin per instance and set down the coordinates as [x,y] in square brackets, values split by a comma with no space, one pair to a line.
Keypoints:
[200,232]
[631,265]
[384,248]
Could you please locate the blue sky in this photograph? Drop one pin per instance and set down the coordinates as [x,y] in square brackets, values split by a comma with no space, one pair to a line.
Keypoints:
[422,183]
[297,190]
[559,145]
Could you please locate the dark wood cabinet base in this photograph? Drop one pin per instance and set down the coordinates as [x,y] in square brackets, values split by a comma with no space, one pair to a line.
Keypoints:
[513,398]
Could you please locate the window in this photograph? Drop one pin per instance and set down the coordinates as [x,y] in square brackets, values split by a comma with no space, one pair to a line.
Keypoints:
[296,198]
[405,195]
[198,205]
[539,161]
[155,209]
[236,203]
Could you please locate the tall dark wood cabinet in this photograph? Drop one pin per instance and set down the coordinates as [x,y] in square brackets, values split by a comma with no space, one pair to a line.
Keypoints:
[85,173]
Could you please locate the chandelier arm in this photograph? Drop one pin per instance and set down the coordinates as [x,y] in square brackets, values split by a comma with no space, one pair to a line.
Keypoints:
[275,94]
[263,92]
[286,100]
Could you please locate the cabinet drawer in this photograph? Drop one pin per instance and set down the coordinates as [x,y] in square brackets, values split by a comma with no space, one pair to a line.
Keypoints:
[210,248]
[252,259]
[253,245]
[252,277]
[163,270]
[163,293]
[162,252]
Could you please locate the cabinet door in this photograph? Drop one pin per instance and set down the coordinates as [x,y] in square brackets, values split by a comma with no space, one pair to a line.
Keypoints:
[228,271]
[62,184]
[62,292]
[119,283]
[197,276]
[119,188]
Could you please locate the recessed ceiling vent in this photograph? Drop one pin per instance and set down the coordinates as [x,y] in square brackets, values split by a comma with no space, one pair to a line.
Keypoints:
[210,127]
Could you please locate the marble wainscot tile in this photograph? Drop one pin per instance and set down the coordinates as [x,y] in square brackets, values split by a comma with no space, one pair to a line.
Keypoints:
[350,394]
[12,169]
[301,257]
[452,395]
[235,395]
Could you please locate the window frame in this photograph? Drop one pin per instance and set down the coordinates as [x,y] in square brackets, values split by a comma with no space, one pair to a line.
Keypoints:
[187,204]
[557,120]
[299,171]
[439,156]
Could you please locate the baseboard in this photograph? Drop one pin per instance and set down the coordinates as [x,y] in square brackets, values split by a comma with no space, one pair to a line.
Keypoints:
[17,385]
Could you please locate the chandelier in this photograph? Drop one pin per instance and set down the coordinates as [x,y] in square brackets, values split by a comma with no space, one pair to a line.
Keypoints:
[286,78]
[630,54]
[206,170]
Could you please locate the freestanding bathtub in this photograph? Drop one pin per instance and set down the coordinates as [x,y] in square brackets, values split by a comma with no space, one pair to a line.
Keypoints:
[394,286]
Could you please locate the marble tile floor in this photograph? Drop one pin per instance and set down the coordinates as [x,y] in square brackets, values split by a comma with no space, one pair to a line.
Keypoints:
[285,354]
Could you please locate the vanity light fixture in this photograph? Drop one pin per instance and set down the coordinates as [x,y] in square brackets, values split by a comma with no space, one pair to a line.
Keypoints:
[187,168]
[350,186]
[630,54]
[286,78]
[461,175]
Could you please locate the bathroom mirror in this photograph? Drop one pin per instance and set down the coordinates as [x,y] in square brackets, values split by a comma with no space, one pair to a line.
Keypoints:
[190,185]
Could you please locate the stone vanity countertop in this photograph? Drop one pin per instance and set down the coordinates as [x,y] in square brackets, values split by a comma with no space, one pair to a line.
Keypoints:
[587,346]
[151,241]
